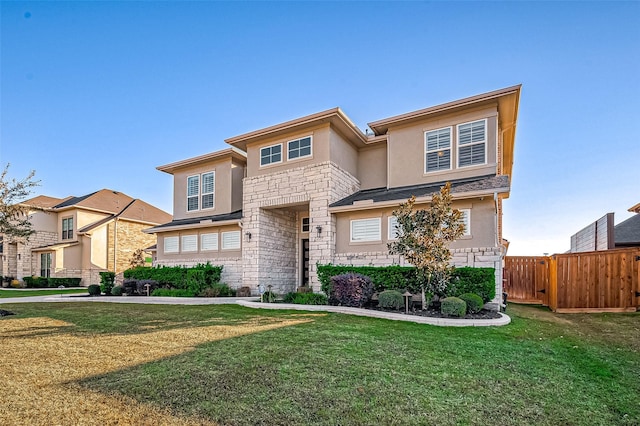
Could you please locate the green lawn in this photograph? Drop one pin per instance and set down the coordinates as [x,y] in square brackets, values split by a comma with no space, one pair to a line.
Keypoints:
[4,294]
[542,369]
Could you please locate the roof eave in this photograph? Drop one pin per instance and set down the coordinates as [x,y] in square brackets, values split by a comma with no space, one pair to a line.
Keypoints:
[233,153]
[204,224]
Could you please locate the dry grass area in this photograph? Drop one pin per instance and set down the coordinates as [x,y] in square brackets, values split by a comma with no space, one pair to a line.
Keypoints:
[44,360]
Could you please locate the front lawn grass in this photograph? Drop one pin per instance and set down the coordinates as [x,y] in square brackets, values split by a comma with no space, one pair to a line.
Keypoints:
[5,294]
[333,369]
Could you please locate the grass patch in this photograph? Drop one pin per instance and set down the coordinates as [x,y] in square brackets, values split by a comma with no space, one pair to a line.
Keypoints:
[292,368]
[5,294]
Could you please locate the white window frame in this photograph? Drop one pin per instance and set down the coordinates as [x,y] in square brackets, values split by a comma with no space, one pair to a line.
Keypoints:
[212,192]
[225,243]
[392,226]
[472,143]
[270,155]
[310,137]
[427,151]
[189,243]
[376,220]
[466,219]
[204,245]
[69,231]
[177,244]
[302,224]
[195,196]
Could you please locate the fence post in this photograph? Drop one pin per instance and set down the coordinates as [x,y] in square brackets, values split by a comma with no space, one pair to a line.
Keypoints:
[553,283]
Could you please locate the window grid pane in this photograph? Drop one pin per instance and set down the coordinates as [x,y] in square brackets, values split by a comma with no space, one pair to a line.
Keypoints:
[230,240]
[270,154]
[299,148]
[471,143]
[189,243]
[365,230]
[192,203]
[209,241]
[438,150]
[170,244]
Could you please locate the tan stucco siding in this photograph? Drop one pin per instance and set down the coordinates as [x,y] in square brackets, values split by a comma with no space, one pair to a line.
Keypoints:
[98,253]
[222,189]
[237,174]
[372,166]
[343,154]
[483,223]
[407,149]
[44,221]
[82,218]
[210,255]
[320,146]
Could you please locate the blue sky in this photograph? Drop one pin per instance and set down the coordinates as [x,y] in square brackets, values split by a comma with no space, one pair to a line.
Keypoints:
[143,84]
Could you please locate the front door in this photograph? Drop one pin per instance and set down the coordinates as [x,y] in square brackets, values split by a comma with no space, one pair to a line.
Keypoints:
[45,265]
[305,263]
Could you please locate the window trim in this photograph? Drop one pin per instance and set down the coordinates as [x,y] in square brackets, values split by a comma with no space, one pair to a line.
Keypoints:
[390,236]
[484,141]
[272,162]
[222,242]
[182,244]
[217,243]
[427,151]
[302,224]
[196,196]
[378,219]
[69,235]
[164,244]
[302,156]
[212,193]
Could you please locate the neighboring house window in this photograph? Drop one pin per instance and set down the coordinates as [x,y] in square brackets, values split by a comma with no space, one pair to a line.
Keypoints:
[437,146]
[466,220]
[299,148]
[45,265]
[394,228]
[305,224]
[271,154]
[200,191]
[472,141]
[170,244]
[193,193]
[189,243]
[67,228]
[365,230]
[209,242]
[231,240]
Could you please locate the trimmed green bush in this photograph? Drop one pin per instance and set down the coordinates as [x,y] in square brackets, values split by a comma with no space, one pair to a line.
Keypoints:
[177,276]
[117,290]
[453,307]
[305,298]
[196,280]
[393,277]
[50,282]
[480,281]
[172,292]
[217,290]
[106,281]
[94,290]
[390,299]
[473,301]
[350,289]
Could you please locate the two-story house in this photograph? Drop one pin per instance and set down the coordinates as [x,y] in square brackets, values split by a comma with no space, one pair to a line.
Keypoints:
[318,190]
[81,236]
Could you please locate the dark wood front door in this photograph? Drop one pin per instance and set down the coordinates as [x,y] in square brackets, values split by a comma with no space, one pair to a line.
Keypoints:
[305,263]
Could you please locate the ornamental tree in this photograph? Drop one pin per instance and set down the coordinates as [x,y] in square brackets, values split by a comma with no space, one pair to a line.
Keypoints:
[423,239]
[14,217]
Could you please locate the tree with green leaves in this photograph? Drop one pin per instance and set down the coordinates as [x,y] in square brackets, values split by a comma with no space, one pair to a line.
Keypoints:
[423,239]
[14,216]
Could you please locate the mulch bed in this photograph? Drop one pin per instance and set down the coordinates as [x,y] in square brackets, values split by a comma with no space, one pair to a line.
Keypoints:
[435,313]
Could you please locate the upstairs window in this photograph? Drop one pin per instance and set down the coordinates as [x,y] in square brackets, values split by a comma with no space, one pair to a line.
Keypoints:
[271,155]
[365,230]
[472,143]
[201,191]
[299,148]
[67,228]
[437,146]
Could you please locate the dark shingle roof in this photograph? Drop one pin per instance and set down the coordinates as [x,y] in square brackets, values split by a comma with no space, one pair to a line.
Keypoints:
[628,232]
[73,201]
[237,215]
[488,182]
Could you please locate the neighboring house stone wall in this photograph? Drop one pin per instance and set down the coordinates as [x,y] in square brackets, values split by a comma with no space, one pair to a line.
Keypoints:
[128,238]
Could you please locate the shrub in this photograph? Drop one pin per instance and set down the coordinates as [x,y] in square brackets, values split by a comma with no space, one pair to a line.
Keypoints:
[196,280]
[176,276]
[453,307]
[217,290]
[480,281]
[269,297]
[130,286]
[172,292]
[350,290]
[65,281]
[390,299]
[106,281]
[117,290]
[304,289]
[473,301]
[94,290]
[243,292]
[141,286]
[393,277]
[305,298]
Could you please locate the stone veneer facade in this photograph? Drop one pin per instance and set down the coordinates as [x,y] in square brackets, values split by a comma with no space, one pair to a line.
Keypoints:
[270,201]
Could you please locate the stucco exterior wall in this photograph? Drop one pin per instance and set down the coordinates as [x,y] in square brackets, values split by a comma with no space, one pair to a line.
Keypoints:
[372,166]
[343,154]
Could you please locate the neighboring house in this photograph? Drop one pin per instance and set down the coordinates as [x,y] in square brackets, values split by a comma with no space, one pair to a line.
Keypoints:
[603,235]
[81,236]
[318,190]
[627,233]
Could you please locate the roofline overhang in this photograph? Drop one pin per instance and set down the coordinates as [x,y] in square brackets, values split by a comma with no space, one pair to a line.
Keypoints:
[364,205]
[634,209]
[233,153]
[335,116]
[202,224]
[56,246]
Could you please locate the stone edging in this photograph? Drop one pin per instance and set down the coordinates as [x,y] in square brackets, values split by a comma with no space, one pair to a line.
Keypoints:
[443,322]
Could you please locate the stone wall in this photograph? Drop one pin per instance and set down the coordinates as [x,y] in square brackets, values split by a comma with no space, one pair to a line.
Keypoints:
[129,237]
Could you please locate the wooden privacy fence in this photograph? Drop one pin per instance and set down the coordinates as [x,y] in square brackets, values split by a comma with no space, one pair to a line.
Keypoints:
[597,281]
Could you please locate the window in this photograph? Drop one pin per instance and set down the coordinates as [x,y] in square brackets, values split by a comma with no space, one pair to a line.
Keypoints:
[67,228]
[209,241]
[299,148]
[394,229]
[200,191]
[189,243]
[170,244]
[231,240]
[466,220]
[45,265]
[271,155]
[437,146]
[472,141]
[365,230]
[305,224]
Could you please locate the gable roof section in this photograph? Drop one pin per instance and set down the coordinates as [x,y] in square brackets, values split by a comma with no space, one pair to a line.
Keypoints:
[105,200]
[232,153]
[197,222]
[628,231]
[43,201]
[380,197]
